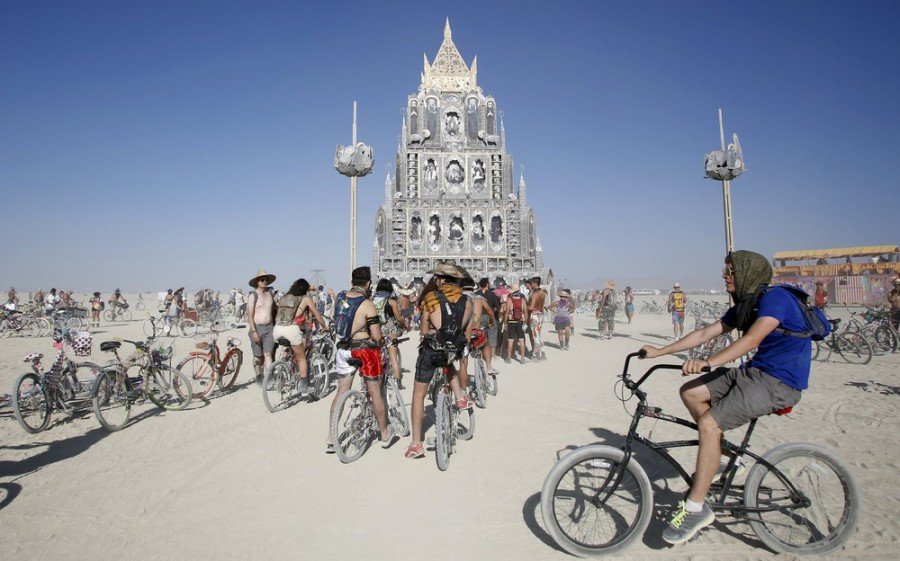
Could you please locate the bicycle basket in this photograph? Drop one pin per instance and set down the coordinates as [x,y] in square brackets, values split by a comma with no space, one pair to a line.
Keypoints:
[81,343]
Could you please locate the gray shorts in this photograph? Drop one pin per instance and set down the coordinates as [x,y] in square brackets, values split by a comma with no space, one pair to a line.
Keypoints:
[490,331]
[266,340]
[739,396]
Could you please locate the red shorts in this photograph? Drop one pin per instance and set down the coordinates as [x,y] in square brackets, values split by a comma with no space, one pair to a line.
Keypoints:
[370,357]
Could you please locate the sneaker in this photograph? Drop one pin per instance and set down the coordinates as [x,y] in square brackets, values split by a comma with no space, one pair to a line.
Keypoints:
[684,525]
[507,361]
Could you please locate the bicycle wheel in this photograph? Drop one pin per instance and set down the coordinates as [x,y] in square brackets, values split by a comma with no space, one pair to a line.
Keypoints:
[111,398]
[140,306]
[491,384]
[398,416]
[480,383]
[30,329]
[109,315]
[44,326]
[168,388]
[151,329]
[883,340]
[125,315]
[187,327]
[228,371]
[31,403]
[318,376]
[443,424]
[278,385]
[75,324]
[465,424]
[583,514]
[824,479]
[351,427]
[853,347]
[4,328]
[202,376]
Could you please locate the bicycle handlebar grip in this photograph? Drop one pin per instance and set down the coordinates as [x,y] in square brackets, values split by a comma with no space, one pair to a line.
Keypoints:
[642,353]
[706,369]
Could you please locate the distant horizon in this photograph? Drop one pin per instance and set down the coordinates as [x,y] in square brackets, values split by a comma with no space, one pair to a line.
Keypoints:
[161,143]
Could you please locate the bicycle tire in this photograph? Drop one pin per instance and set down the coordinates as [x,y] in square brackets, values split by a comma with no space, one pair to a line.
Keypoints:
[278,385]
[31,403]
[584,466]
[187,327]
[111,400]
[831,529]
[4,328]
[350,427]
[480,385]
[229,369]
[168,388]
[30,329]
[74,324]
[465,424]
[883,340]
[108,315]
[491,385]
[443,427]
[203,377]
[151,329]
[317,370]
[398,416]
[853,347]
[125,315]
[140,306]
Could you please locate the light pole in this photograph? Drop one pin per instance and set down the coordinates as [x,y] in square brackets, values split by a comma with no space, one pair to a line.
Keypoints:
[724,165]
[353,161]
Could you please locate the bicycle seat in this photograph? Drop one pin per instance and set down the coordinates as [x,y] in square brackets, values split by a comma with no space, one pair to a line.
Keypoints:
[33,357]
[784,411]
[354,362]
[283,341]
[107,346]
[834,322]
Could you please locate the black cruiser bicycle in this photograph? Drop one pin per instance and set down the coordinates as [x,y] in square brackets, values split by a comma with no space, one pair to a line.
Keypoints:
[798,498]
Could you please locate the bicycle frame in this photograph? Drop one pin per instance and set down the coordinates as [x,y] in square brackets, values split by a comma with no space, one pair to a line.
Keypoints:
[725,483]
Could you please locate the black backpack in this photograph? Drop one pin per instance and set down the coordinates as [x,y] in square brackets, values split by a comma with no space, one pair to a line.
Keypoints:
[344,312]
[451,334]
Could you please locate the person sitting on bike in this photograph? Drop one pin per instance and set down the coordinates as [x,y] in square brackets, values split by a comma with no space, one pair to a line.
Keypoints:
[445,313]
[359,336]
[291,318]
[117,300]
[727,398]
[391,323]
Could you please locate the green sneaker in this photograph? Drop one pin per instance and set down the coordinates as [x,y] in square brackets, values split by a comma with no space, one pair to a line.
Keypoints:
[684,525]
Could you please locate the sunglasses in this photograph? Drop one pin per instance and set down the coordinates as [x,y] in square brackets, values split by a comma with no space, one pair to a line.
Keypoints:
[728,271]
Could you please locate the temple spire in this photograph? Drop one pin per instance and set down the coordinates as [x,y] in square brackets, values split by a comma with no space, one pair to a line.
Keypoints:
[448,34]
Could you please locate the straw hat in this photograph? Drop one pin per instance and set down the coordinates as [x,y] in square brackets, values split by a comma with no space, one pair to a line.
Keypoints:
[448,270]
[564,294]
[270,278]
[611,283]
[177,290]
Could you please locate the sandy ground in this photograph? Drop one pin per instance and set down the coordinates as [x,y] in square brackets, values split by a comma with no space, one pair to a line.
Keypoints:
[226,479]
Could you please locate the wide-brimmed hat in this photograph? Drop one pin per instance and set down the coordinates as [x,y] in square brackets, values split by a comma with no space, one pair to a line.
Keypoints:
[611,283]
[177,290]
[448,270]
[406,291]
[564,294]
[270,278]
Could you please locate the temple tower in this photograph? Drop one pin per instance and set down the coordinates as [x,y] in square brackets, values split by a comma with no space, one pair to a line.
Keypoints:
[452,196]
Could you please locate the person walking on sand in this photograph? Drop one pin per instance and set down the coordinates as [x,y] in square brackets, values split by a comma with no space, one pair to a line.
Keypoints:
[261,318]
[493,332]
[606,310]
[821,296]
[562,318]
[629,303]
[536,319]
[676,303]
[516,316]
[96,307]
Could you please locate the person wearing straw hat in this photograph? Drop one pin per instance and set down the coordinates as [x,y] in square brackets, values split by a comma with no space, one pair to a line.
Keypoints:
[261,319]
[606,310]
[562,318]
[445,313]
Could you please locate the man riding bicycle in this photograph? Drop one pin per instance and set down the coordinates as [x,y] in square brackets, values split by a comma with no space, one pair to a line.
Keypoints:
[771,320]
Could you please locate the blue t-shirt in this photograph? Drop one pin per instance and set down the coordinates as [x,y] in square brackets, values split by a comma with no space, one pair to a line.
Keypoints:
[785,357]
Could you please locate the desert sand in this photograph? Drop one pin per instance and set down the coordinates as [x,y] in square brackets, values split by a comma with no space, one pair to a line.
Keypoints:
[226,479]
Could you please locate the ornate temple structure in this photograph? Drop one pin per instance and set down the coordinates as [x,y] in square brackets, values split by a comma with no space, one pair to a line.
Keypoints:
[452,196]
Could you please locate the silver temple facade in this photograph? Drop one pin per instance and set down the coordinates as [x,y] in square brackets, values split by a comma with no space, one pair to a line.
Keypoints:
[452,196]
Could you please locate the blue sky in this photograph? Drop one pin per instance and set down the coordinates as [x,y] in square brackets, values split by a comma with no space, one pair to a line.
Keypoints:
[154,144]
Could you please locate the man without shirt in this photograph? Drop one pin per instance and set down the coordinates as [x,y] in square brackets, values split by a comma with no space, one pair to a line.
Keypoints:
[262,322]
[536,305]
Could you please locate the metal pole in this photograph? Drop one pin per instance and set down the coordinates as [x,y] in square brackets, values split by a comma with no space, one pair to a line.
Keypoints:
[726,193]
[353,204]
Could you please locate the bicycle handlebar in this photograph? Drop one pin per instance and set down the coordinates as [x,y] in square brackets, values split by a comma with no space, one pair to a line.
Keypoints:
[635,386]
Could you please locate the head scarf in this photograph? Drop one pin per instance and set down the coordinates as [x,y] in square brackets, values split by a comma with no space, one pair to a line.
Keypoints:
[752,272]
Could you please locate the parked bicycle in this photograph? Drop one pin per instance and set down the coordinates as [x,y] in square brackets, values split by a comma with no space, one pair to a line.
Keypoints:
[354,427]
[208,369]
[65,386]
[799,498]
[163,325]
[852,346]
[19,324]
[711,347]
[281,381]
[876,328]
[139,305]
[115,390]
[652,307]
